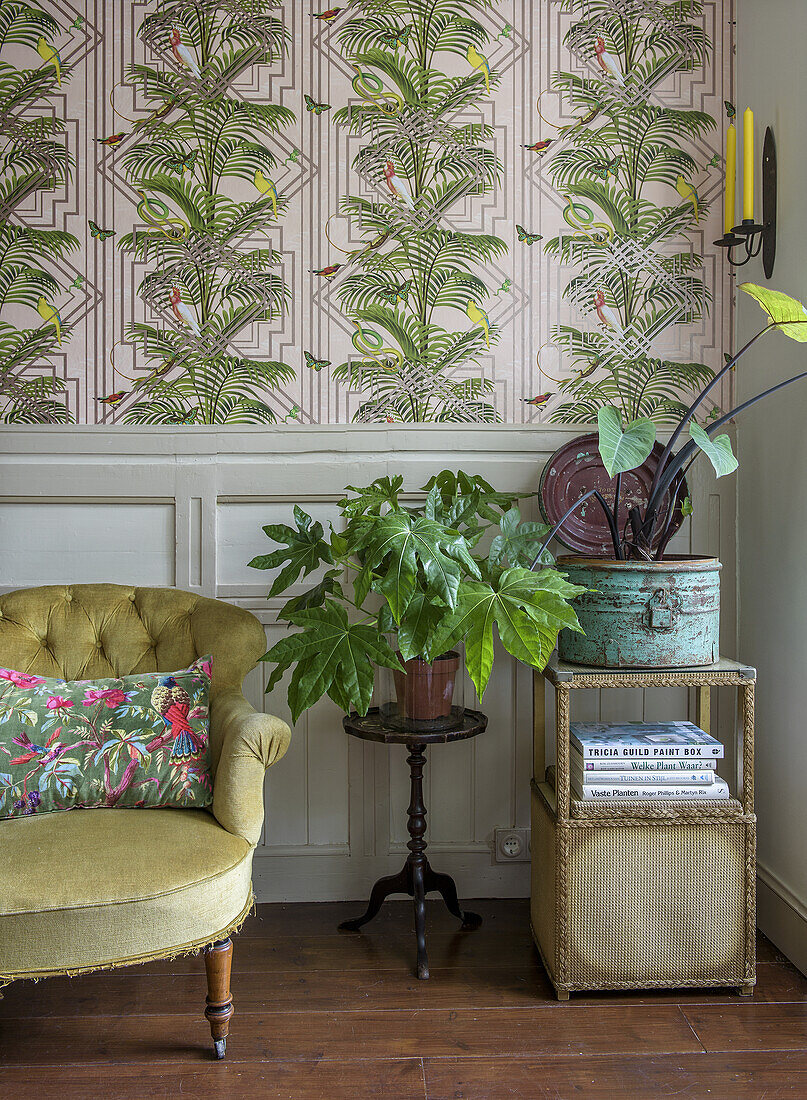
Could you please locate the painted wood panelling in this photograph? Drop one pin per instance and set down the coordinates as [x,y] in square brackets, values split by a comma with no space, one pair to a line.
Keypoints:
[152,506]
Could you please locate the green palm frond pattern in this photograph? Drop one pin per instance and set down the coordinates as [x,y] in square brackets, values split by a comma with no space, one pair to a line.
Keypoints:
[280,212]
[33,159]
[631,184]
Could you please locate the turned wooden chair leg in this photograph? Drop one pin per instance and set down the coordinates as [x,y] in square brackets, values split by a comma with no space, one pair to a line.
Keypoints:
[218,962]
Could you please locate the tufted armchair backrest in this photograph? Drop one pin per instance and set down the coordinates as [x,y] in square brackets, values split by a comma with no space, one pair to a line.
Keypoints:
[89,631]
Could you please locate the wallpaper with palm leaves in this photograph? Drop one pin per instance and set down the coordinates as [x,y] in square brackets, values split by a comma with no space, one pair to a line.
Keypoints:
[270,211]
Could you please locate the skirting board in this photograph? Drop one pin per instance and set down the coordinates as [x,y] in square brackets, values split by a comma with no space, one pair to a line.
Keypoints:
[321,878]
[782,918]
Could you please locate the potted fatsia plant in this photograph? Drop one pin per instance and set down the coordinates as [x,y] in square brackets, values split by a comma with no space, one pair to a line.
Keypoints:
[402,587]
[642,608]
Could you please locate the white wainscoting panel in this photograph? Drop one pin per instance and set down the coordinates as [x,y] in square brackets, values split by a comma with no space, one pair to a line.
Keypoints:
[152,506]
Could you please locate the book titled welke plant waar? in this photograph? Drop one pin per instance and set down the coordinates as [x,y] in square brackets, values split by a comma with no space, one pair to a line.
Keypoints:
[643,740]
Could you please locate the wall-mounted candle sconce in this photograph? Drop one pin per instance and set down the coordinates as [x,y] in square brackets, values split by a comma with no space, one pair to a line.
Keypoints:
[755,237]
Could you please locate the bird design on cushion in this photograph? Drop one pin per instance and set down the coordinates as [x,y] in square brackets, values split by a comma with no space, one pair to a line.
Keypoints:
[173,704]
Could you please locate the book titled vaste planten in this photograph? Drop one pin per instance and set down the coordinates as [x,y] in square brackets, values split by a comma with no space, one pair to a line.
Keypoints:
[719,789]
[643,741]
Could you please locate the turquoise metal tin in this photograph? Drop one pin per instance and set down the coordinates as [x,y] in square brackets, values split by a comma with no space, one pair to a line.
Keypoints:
[644,614]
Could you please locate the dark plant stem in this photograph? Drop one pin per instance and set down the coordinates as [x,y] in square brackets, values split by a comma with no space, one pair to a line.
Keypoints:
[655,496]
[617,496]
[690,448]
[608,514]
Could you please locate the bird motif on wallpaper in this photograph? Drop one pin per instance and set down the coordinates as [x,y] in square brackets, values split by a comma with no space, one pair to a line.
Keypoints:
[182,312]
[112,140]
[326,16]
[173,703]
[538,401]
[479,62]
[608,62]
[50,55]
[479,318]
[539,147]
[183,54]
[689,194]
[608,316]
[50,315]
[398,185]
[112,398]
[328,272]
[266,187]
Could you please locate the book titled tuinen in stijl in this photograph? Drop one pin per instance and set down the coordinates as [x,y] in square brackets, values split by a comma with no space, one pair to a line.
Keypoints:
[643,741]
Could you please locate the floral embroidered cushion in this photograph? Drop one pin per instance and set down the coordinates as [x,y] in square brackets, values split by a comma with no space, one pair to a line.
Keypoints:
[139,740]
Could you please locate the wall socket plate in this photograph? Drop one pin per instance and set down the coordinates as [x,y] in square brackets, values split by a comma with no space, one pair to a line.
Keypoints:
[511,845]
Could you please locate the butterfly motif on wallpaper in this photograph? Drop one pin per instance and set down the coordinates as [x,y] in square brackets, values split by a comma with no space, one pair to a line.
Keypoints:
[603,169]
[395,38]
[396,294]
[182,162]
[317,108]
[315,364]
[97,231]
[526,237]
[731,110]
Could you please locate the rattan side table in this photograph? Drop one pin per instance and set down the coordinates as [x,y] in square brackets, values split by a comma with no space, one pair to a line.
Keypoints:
[635,895]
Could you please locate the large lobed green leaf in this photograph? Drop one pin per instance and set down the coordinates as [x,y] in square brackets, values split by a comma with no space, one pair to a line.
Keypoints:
[403,549]
[332,656]
[528,609]
[304,549]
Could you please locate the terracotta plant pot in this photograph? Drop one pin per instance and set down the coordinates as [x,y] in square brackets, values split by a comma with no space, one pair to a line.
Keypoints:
[426,690]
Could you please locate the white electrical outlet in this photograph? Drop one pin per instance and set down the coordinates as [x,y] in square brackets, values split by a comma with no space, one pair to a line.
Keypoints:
[512,845]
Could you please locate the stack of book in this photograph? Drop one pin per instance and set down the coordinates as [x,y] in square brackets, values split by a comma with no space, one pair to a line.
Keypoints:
[644,760]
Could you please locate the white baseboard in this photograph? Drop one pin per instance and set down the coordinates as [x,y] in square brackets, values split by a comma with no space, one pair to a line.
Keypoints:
[350,878]
[782,917]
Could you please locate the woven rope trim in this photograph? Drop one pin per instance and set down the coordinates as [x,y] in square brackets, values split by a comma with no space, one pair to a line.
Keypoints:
[656,679]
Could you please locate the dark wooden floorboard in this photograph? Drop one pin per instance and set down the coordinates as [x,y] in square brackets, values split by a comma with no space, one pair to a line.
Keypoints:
[694,1076]
[324,1014]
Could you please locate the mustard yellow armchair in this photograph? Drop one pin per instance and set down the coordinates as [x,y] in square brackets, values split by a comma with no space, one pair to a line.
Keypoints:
[94,889]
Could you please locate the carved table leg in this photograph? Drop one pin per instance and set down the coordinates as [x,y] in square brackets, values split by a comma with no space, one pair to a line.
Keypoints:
[416,877]
[418,864]
[218,962]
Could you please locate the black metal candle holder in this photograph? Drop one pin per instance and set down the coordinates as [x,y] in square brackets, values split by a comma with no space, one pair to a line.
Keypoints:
[758,238]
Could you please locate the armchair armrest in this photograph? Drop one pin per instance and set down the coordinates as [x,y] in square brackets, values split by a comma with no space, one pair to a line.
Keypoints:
[250,742]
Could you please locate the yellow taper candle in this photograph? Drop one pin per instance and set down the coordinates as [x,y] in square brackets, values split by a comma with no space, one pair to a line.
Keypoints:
[748,166]
[731,178]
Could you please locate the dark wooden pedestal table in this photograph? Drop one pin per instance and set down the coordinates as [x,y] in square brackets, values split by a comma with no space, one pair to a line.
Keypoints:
[416,878]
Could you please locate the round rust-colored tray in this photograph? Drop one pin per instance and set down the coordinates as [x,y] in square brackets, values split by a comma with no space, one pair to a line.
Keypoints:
[573,470]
